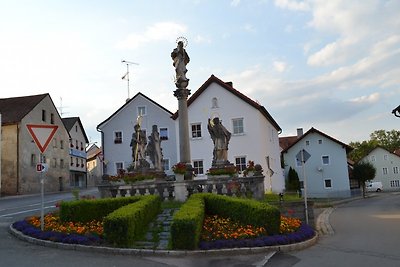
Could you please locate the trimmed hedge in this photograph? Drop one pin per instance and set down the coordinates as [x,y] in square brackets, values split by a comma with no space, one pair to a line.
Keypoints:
[95,209]
[188,221]
[246,211]
[126,224]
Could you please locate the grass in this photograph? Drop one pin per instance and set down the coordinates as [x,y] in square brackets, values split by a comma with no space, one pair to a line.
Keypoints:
[287,197]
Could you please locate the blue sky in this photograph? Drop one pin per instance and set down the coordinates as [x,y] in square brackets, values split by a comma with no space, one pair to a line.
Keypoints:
[333,65]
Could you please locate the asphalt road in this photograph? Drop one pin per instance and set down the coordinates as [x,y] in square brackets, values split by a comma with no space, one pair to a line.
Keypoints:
[367,233]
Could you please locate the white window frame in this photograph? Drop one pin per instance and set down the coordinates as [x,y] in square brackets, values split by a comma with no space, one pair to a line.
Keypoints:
[384,170]
[326,187]
[167,133]
[373,158]
[307,142]
[115,137]
[235,128]
[197,169]
[196,130]
[395,170]
[322,159]
[116,166]
[139,108]
[385,157]
[242,165]
[166,164]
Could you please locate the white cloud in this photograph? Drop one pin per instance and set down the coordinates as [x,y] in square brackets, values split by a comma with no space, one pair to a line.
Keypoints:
[369,99]
[280,66]
[235,3]
[292,4]
[161,31]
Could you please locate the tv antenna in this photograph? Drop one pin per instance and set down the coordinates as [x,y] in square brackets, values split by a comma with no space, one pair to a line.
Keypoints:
[126,76]
[61,108]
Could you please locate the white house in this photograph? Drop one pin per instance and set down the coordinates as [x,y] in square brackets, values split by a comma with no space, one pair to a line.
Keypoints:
[77,151]
[326,169]
[94,159]
[116,133]
[387,166]
[254,131]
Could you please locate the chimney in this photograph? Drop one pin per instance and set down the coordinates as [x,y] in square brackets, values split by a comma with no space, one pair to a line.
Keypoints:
[299,132]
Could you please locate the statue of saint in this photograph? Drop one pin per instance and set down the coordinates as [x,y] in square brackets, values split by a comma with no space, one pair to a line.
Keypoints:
[138,144]
[181,59]
[220,136]
[154,149]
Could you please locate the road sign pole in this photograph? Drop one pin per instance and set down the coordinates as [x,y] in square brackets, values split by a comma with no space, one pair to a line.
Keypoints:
[42,197]
[305,184]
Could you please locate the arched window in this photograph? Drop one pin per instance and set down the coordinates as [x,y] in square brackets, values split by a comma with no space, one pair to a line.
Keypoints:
[214,103]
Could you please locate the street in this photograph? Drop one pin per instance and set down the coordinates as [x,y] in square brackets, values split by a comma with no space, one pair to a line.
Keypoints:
[366,232]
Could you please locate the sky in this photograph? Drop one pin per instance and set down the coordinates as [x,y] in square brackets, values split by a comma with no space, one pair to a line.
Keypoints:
[332,65]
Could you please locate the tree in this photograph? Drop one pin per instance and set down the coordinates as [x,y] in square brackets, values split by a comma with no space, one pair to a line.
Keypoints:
[389,140]
[363,171]
[293,181]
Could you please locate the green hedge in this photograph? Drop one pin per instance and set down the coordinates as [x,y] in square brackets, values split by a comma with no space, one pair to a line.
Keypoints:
[246,211]
[124,225]
[88,210]
[187,223]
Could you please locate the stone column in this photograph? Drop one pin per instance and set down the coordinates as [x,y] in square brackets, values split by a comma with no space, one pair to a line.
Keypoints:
[184,145]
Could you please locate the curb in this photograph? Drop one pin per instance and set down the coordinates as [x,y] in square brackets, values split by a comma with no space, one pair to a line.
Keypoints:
[171,253]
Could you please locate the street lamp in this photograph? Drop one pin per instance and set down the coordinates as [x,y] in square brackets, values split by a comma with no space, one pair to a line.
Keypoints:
[396,111]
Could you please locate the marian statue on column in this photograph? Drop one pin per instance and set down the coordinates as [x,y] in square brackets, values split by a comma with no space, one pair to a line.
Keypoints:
[180,60]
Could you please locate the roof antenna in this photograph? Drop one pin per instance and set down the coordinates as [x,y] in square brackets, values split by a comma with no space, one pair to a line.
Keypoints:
[126,75]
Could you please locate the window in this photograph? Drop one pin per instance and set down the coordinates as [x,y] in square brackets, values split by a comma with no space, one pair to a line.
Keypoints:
[214,103]
[320,141]
[76,128]
[54,142]
[33,160]
[238,126]
[328,183]
[302,184]
[62,144]
[117,137]
[325,160]
[76,162]
[240,163]
[119,166]
[196,130]
[43,115]
[165,163]
[141,111]
[395,183]
[62,163]
[372,158]
[43,159]
[198,167]
[52,118]
[76,144]
[395,170]
[81,145]
[307,142]
[385,157]
[72,161]
[385,170]
[163,133]
[54,163]
[82,164]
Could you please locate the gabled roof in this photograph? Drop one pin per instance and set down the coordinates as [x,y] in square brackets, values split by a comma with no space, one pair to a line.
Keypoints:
[285,142]
[381,147]
[70,122]
[229,88]
[313,130]
[14,109]
[127,103]
[93,152]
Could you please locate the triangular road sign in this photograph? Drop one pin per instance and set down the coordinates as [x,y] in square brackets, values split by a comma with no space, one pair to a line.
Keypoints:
[42,134]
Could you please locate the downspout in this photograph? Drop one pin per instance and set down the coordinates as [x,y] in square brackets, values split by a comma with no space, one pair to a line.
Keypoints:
[102,151]
[18,130]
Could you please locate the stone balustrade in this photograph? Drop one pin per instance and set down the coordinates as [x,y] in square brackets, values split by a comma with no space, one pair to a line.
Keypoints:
[180,190]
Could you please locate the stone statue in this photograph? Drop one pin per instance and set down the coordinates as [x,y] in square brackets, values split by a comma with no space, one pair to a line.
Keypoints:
[138,144]
[181,59]
[220,136]
[154,149]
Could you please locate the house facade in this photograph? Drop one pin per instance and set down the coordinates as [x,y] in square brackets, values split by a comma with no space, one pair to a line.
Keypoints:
[326,170]
[387,167]
[77,152]
[94,162]
[117,130]
[19,153]
[254,131]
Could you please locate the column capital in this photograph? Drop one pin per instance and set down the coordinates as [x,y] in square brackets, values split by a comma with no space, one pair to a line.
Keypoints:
[182,93]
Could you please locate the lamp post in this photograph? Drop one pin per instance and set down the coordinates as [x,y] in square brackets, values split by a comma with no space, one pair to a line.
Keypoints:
[396,111]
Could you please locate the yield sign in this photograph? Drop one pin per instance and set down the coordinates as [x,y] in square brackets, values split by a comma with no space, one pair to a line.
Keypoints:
[42,134]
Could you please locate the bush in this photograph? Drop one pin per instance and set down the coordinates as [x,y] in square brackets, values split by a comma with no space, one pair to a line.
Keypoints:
[88,210]
[126,224]
[246,211]
[187,223]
